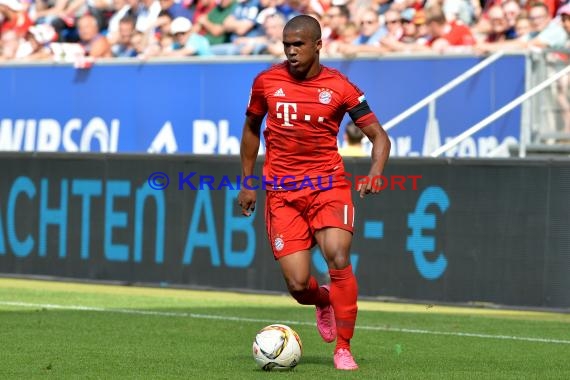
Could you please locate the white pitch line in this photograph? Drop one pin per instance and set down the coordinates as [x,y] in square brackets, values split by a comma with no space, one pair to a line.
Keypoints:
[260,320]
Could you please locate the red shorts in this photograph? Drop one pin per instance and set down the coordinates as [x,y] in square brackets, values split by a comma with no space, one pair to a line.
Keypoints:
[292,217]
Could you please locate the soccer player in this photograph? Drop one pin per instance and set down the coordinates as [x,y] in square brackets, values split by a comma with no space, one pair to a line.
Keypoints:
[305,103]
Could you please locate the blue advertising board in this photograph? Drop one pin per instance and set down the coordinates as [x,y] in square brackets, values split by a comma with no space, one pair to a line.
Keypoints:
[198,106]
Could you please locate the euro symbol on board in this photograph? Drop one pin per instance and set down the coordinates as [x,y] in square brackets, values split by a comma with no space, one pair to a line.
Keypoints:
[419,244]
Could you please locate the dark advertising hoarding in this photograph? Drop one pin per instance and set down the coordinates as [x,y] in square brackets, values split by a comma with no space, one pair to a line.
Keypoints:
[442,230]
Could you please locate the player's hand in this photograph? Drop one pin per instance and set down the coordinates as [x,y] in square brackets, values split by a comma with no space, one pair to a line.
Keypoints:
[246,200]
[369,185]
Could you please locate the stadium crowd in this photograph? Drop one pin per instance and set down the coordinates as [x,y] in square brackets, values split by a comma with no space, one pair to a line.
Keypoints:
[70,30]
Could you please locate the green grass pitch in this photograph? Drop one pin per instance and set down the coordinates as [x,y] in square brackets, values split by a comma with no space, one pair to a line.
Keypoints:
[81,331]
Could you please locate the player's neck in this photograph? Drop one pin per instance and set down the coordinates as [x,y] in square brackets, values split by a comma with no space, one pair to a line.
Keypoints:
[314,71]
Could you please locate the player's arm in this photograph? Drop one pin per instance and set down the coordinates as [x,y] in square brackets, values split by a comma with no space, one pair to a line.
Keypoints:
[249,149]
[364,118]
[380,152]
[361,114]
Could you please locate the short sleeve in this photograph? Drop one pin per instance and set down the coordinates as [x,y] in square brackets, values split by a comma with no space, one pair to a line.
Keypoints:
[353,95]
[257,105]
[357,106]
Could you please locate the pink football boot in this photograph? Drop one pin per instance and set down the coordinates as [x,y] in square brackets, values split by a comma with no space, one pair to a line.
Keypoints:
[343,360]
[325,321]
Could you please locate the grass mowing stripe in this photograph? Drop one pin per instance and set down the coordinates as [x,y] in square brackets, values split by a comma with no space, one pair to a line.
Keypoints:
[226,297]
[257,320]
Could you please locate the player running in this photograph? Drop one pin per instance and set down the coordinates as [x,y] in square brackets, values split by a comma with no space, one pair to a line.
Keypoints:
[305,103]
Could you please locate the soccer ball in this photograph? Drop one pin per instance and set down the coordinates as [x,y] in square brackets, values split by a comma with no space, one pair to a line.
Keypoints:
[277,347]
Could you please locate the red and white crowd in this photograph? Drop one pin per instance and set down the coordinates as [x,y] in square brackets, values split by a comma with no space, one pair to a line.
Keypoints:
[84,30]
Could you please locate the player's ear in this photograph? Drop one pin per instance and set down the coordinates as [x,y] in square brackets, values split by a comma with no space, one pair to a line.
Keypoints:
[319,44]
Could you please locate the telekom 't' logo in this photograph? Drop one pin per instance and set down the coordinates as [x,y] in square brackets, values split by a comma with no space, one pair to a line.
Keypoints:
[285,115]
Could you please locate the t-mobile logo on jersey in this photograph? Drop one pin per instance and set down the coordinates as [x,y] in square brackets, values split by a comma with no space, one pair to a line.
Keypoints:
[289,113]
[285,115]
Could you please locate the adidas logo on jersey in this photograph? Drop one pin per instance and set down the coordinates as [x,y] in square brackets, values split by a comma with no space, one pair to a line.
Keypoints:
[279,92]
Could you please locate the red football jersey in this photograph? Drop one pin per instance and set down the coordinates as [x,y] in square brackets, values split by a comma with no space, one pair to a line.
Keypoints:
[19,24]
[303,119]
[457,35]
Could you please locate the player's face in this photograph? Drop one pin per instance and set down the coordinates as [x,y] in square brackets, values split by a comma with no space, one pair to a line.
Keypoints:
[302,52]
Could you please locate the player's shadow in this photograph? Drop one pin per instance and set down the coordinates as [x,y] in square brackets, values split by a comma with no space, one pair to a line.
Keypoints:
[315,359]
[305,359]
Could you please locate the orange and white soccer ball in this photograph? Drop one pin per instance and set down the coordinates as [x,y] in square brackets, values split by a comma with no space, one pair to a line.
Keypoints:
[277,347]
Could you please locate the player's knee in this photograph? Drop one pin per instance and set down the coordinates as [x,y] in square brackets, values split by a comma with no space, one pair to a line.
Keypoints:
[339,260]
[297,287]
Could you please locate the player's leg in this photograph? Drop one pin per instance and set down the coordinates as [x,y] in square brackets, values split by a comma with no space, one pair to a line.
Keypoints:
[332,218]
[305,289]
[335,245]
[291,240]
[296,269]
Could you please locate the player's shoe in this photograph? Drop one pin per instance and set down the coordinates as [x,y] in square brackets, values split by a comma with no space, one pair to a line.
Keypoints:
[326,323]
[343,360]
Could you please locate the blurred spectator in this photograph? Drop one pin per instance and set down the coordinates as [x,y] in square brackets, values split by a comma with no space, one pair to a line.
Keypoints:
[422,36]
[123,8]
[333,21]
[371,29]
[551,6]
[446,36]
[102,10]
[539,19]
[352,142]
[382,6]
[242,22]
[303,7]
[243,27]
[522,25]
[564,13]
[162,39]
[186,42]
[162,25]
[281,6]
[175,9]
[62,15]
[512,11]
[500,30]
[147,14]
[410,40]
[211,24]
[36,45]
[393,24]
[124,47]
[409,28]
[370,33]
[14,18]
[14,25]
[200,8]
[458,11]
[545,33]
[399,5]
[271,42]
[94,43]
[140,44]
[348,34]
[394,30]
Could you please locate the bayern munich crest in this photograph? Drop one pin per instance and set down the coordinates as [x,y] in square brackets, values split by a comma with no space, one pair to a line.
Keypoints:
[278,243]
[325,96]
